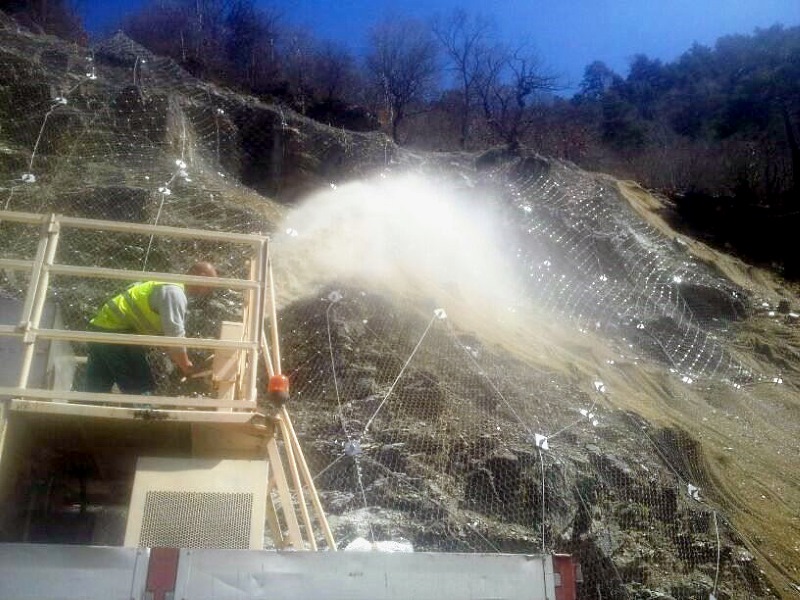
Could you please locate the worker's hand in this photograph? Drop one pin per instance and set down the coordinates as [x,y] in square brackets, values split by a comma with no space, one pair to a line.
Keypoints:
[187,368]
[182,361]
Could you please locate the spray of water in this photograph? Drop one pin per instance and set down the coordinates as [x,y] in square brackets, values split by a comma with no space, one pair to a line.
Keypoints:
[408,234]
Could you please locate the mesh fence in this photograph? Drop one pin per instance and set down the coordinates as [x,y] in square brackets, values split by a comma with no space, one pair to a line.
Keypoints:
[603,404]
[488,354]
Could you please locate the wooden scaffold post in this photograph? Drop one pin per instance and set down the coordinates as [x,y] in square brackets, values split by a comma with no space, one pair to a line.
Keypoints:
[302,481]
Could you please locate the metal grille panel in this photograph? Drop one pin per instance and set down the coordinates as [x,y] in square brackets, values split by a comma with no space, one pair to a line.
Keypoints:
[198,503]
[196,520]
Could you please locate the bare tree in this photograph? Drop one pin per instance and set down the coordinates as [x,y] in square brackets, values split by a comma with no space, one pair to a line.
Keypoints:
[190,31]
[203,38]
[250,44]
[162,28]
[465,41]
[510,81]
[403,62]
[335,73]
[298,61]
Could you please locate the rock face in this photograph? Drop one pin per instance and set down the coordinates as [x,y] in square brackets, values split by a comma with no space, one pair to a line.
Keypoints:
[119,90]
[622,407]
[467,475]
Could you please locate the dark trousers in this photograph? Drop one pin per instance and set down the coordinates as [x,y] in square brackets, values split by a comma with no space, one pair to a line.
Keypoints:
[126,366]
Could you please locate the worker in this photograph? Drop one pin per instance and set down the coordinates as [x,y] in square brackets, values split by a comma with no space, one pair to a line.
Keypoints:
[149,308]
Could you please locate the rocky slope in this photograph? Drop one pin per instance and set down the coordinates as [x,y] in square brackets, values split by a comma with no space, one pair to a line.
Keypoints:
[488,353]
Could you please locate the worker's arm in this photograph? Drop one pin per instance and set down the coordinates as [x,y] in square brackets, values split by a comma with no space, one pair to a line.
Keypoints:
[170,302]
[181,360]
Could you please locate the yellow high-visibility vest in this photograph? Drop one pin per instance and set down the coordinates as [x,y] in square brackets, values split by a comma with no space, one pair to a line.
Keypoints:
[130,311]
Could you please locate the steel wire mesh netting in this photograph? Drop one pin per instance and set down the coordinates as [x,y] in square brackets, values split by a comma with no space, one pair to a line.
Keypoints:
[614,401]
[450,439]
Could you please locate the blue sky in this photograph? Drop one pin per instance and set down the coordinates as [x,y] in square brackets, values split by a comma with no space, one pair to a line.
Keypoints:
[566,34]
